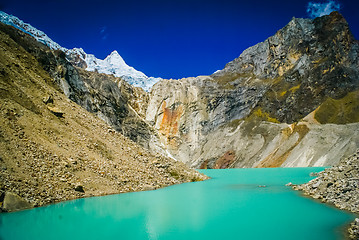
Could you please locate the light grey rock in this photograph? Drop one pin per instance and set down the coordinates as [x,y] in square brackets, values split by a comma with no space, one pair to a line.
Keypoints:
[13,202]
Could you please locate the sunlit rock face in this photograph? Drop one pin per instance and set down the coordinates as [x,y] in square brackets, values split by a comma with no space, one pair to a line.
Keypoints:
[291,100]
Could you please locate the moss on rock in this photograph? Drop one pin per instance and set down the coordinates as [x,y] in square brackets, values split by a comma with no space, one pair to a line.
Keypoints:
[340,111]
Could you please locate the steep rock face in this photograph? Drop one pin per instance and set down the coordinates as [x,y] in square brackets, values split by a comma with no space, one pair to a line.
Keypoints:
[264,108]
[183,111]
[307,59]
[119,104]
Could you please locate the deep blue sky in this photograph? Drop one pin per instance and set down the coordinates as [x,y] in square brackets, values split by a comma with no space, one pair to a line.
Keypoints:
[164,38]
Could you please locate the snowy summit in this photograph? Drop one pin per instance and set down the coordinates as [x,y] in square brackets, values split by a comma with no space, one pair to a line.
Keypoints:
[112,64]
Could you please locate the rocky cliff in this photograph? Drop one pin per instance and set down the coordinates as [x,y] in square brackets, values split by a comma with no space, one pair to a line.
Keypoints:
[52,149]
[291,100]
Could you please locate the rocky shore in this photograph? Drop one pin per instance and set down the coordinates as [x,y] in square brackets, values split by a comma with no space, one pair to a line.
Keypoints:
[56,159]
[338,186]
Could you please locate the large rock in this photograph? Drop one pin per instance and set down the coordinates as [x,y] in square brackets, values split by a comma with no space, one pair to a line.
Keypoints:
[13,202]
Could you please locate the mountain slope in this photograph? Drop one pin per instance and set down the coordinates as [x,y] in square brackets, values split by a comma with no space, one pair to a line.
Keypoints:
[307,59]
[270,106]
[112,64]
[52,150]
[112,99]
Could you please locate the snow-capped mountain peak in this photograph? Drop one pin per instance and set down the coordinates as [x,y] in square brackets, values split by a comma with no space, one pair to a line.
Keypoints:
[112,64]
[115,59]
[114,54]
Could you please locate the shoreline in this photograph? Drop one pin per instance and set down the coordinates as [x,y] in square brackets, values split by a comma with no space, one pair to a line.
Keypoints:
[90,195]
[339,187]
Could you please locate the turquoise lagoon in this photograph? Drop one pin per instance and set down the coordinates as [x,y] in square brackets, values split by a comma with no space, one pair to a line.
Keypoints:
[231,205]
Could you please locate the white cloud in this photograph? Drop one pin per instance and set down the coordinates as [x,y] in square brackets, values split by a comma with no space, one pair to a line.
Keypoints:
[315,9]
[103,29]
[103,32]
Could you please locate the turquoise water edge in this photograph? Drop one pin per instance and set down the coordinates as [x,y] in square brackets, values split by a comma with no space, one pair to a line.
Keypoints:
[232,205]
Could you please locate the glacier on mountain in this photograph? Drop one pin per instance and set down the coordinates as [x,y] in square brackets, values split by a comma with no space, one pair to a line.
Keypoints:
[112,64]
[27,28]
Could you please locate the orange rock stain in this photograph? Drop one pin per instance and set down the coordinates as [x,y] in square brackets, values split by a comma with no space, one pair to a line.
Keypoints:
[170,121]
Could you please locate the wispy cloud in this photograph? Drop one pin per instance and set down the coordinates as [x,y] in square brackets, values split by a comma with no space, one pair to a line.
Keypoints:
[103,32]
[317,9]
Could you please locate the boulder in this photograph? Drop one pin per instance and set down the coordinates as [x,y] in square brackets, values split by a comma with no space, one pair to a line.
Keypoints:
[57,112]
[13,202]
[79,188]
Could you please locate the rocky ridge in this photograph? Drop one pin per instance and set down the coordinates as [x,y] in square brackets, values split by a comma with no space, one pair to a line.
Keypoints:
[51,149]
[257,109]
[339,186]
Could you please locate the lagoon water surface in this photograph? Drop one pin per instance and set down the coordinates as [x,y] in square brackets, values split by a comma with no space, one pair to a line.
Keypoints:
[231,205]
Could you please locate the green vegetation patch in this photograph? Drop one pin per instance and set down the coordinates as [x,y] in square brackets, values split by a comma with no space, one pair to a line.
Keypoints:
[259,114]
[340,111]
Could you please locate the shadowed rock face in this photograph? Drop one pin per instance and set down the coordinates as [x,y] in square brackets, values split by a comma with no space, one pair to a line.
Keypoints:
[271,105]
